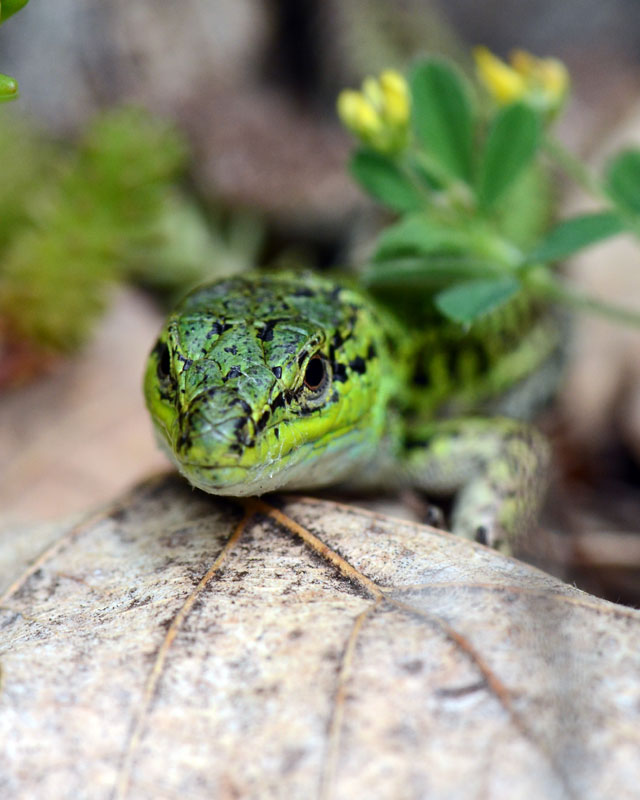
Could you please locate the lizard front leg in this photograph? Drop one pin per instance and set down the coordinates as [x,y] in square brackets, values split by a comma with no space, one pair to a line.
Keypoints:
[496,467]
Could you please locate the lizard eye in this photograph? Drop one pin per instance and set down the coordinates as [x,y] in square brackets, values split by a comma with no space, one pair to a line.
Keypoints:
[164,361]
[315,376]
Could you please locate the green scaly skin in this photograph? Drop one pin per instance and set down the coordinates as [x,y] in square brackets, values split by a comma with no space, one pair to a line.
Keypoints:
[295,381]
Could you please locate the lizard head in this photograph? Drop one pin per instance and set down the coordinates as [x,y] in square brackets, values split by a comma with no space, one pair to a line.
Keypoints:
[270,381]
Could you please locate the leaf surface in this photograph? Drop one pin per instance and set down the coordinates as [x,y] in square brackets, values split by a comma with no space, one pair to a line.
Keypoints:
[623,180]
[576,233]
[465,302]
[511,144]
[165,648]
[442,115]
[384,180]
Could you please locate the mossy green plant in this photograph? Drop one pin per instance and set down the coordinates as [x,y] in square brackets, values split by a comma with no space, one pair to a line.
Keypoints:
[75,221]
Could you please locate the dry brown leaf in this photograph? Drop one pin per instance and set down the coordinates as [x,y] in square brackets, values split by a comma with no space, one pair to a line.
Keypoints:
[177,646]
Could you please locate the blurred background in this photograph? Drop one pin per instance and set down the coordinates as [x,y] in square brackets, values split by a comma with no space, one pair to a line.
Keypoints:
[235,158]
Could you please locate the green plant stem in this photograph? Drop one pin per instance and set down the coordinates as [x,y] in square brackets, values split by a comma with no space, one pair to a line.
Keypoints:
[580,173]
[405,168]
[458,194]
[575,168]
[542,283]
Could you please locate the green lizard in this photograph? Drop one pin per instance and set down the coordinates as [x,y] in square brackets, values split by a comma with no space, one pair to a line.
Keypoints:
[291,381]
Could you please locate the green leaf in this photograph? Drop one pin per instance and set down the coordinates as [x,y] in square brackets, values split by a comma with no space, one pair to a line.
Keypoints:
[623,180]
[8,88]
[466,302]
[426,273]
[574,234]
[384,181]
[524,212]
[418,235]
[425,173]
[9,7]
[511,144]
[442,115]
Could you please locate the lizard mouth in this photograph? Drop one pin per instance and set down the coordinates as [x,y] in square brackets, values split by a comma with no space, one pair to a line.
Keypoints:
[235,481]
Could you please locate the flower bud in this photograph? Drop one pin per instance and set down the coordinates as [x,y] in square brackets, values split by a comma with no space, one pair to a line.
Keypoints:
[8,88]
[379,114]
[397,100]
[542,83]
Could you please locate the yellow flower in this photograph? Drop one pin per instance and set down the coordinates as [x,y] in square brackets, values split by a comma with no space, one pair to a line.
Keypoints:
[358,114]
[379,114]
[504,83]
[397,100]
[541,82]
[372,91]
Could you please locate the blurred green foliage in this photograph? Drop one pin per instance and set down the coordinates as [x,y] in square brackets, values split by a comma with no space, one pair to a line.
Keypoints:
[75,221]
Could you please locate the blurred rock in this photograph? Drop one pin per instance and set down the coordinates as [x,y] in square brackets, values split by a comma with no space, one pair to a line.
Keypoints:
[72,59]
[167,52]
[546,26]
[367,36]
[259,150]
